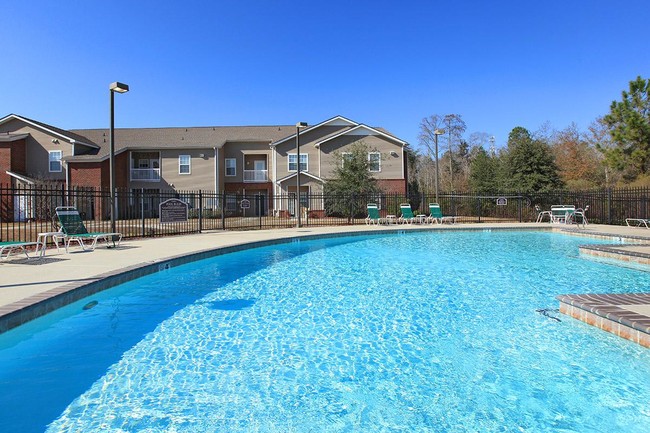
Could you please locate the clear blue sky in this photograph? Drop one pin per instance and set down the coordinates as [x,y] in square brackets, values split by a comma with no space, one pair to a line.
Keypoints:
[499,64]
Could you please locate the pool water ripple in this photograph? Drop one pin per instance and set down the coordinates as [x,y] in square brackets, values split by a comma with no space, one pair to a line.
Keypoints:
[432,333]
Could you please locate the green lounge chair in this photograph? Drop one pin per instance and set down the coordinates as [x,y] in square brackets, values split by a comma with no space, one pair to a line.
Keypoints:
[407,216]
[373,214]
[75,230]
[9,247]
[435,215]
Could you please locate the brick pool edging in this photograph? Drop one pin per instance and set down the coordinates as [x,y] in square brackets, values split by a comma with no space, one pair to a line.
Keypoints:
[606,312]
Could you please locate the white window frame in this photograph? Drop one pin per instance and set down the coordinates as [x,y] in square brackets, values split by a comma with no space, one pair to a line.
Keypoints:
[345,155]
[378,162]
[50,160]
[188,164]
[304,156]
[234,167]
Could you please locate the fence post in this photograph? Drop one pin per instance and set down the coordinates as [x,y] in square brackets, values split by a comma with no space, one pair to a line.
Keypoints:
[258,206]
[200,211]
[519,205]
[144,228]
[609,206]
[478,208]
[223,211]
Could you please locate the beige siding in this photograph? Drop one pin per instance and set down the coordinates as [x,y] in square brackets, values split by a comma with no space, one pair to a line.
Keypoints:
[201,174]
[306,148]
[38,144]
[201,169]
[391,164]
[244,155]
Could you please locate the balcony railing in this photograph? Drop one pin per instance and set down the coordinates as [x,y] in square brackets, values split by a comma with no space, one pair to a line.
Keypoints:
[256,175]
[145,174]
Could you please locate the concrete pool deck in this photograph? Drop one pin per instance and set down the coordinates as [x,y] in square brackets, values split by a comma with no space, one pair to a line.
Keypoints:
[31,288]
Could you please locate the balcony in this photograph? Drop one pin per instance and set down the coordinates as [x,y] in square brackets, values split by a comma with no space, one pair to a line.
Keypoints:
[145,174]
[256,175]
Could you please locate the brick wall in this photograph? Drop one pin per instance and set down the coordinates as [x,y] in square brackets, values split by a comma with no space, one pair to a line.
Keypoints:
[239,187]
[12,158]
[86,174]
[5,163]
[392,185]
[18,156]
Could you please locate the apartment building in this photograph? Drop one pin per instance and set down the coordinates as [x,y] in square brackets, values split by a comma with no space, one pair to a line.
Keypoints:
[251,160]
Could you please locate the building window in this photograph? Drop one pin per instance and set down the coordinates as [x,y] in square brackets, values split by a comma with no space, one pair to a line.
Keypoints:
[304,159]
[184,164]
[345,157]
[231,167]
[55,160]
[374,161]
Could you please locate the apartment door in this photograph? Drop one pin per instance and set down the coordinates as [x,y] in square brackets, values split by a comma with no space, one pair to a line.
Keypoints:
[260,170]
[304,199]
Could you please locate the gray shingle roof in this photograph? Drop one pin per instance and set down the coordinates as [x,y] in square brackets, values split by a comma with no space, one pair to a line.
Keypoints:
[177,138]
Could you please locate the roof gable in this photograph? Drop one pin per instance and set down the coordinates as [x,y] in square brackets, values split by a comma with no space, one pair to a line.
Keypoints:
[305,173]
[362,130]
[334,121]
[68,136]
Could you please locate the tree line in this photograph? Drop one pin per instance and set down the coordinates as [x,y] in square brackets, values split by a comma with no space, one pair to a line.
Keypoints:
[614,151]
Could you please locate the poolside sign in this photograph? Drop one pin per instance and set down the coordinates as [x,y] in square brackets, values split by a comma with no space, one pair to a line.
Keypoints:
[173,211]
[245,204]
[502,201]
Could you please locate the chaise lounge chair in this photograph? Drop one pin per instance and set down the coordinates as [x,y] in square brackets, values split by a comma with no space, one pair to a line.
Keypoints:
[373,214]
[407,216]
[542,213]
[435,215]
[9,247]
[75,230]
[579,216]
[637,222]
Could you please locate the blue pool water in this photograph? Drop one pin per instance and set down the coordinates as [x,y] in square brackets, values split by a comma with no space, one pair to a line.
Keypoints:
[431,332]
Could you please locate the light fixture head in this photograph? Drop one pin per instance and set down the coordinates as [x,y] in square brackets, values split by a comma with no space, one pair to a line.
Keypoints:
[439,131]
[119,87]
[301,125]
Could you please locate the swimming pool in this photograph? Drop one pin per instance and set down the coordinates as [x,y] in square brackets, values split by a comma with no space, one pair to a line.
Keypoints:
[432,332]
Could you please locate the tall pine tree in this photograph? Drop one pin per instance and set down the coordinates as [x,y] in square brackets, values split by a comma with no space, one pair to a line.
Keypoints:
[530,165]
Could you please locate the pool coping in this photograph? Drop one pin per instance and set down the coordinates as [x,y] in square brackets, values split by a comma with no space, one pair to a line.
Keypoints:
[609,313]
[20,312]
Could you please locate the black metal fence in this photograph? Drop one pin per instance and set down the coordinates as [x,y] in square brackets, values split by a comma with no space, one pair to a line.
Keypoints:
[26,211]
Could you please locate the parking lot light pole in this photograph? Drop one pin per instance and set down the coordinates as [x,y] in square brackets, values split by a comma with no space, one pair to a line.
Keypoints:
[436,133]
[299,126]
[119,88]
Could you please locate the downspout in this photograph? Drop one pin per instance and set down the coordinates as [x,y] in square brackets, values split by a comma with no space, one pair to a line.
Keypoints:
[216,169]
[319,162]
[404,162]
[67,169]
[275,177]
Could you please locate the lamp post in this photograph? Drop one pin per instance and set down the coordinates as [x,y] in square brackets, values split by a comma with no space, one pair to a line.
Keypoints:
[119,88]
[436,133]
[299,126]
